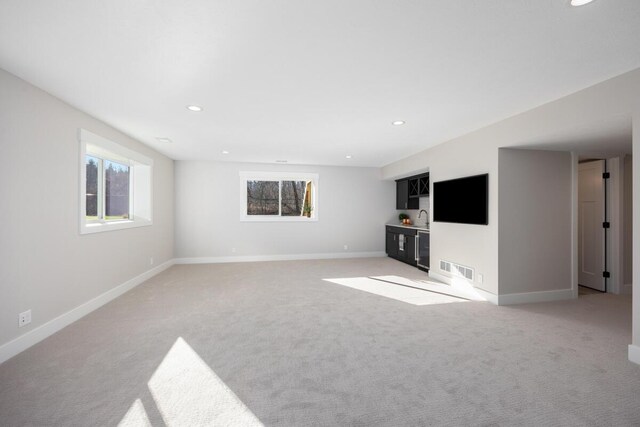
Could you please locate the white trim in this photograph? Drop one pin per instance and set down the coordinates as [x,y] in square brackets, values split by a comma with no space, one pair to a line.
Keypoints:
[99,227]
[575,160]
[141,214]
[634,353]
[615,241]
[614,203]
[284,257]
[488,296]
[510,299]
[110,150]
[41,332]
[540,296]
[276,218]
[278,176]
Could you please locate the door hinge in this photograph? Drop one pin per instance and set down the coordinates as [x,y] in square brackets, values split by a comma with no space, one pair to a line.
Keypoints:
[606,224]
[606,175]
[606,274]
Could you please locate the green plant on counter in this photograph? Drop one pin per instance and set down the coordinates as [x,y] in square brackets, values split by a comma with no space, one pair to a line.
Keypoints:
[306,210]
[403,216]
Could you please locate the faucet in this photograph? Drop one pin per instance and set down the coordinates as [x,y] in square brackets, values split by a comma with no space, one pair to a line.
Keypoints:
[427,216]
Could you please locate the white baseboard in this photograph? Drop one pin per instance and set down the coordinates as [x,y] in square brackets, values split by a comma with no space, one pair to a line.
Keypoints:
[488,296]
[287,257]
[41,332]
[510,299]
[540,296]
[634,353]
[626,289]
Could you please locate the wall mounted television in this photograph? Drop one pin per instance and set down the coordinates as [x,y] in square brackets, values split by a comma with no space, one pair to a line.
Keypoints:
[462,200]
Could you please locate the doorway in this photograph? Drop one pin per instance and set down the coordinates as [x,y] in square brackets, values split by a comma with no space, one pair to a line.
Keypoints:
[592,225]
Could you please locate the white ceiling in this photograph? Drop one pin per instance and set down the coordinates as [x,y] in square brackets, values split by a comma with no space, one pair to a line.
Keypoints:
[311,81]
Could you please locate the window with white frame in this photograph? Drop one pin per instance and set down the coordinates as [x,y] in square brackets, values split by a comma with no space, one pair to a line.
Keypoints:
[115,185]
[277,196]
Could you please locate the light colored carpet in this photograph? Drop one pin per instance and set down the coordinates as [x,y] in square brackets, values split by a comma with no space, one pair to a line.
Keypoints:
[275,344]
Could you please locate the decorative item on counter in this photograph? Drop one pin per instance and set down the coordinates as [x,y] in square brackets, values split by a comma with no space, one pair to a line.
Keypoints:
[404,219]
[306,210]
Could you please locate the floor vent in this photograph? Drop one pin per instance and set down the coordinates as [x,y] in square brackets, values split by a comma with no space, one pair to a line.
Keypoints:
[457,269]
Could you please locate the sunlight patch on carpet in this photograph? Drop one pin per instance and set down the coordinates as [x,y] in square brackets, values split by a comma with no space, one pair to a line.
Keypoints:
[458,288]
[188,392]
[136,416]
[396,292]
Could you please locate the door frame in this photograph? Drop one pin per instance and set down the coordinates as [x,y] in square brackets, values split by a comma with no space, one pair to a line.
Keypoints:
[614,241]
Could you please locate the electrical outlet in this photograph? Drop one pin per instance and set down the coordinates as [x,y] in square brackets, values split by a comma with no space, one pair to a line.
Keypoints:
[233,250]
[151,261]
[346,247]
[480,278]
[24,318]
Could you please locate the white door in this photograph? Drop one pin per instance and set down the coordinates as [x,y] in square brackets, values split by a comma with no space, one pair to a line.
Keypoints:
[591,254]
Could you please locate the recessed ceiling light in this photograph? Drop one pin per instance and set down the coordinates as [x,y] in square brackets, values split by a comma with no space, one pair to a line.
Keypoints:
[194,108]
[281,161]
[580,2]
[398,123]
[225,152]
[165,140]
[348,156]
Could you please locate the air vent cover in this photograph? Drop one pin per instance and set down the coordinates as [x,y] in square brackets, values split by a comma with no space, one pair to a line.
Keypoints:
[457,269]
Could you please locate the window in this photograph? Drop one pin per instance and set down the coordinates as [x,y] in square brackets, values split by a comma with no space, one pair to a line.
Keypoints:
[115,185]
[273,196]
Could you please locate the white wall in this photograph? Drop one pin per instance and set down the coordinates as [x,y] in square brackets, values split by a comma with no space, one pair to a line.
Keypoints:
[45,264]
[354,204]
[535,243]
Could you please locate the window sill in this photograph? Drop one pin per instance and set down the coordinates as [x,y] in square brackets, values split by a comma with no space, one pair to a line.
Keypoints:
[277,219]
[99,227]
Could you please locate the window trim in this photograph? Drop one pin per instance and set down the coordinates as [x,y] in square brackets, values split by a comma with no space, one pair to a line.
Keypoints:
[104,149]
[277,176]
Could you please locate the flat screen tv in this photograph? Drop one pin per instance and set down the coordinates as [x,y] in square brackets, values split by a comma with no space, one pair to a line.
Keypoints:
[463,200]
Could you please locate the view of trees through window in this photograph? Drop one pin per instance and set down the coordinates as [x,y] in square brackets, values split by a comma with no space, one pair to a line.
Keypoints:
[92,188]
[263,197]
[116,190]
[293,197]
[285,198]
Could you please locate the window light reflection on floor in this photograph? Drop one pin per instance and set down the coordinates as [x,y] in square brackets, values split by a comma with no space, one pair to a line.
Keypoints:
[135,416]
[457,287]
[385,286]
[187,392]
